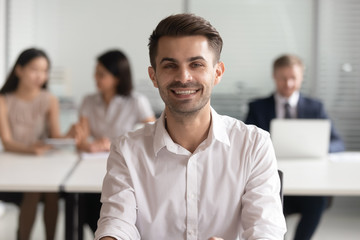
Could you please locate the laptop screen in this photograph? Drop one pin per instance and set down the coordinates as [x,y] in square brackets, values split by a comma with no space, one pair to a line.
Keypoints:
[300,138]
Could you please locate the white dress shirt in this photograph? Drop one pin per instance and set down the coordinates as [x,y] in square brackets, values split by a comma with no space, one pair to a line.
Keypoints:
[280,102]
[156,189]
[121,116]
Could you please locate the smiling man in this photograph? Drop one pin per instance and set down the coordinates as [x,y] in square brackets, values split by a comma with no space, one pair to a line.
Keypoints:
[193,174]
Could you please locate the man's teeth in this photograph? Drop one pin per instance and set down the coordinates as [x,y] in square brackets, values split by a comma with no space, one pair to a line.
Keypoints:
[185,92]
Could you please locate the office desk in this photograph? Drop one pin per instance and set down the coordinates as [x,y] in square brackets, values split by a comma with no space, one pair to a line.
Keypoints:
[87,177]
[339,175]
[45,173]
[31,173]
[301,177]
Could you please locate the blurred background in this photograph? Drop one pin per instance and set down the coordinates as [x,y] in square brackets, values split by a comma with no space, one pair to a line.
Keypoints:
[324,33]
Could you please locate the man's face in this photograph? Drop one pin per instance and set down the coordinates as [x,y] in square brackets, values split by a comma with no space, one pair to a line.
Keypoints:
[288,79]
[185,73]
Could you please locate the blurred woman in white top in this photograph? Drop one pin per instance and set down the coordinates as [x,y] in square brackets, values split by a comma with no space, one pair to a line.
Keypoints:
[115,109]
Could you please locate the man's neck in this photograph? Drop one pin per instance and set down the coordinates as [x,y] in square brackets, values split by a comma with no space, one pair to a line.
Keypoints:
[292,100]
[189,130]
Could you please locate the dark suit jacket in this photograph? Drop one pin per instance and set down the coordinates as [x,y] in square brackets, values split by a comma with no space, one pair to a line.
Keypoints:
[262,111]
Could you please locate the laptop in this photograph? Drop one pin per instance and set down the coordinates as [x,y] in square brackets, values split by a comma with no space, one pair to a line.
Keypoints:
[300,138]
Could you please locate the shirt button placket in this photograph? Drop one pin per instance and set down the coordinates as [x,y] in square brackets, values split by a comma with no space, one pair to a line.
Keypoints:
[191,200]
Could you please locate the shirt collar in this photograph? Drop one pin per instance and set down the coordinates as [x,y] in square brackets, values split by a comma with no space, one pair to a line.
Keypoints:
[116,98]
[162,138]
[218,130]
[292,100]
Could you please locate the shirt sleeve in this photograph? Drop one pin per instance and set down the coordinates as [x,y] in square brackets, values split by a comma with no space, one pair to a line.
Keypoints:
[144,108]
[262,215]
[118,212]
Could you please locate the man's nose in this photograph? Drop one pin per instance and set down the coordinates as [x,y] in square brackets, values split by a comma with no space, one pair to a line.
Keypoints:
[183,75]
[290,83]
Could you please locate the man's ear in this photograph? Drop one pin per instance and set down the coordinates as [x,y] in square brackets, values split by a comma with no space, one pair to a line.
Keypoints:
[152,75]
[219,72]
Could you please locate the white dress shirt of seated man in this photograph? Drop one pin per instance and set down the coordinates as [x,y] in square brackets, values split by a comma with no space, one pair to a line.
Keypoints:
[185,68]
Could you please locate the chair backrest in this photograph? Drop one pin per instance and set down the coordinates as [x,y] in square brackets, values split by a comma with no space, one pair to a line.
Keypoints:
[281,185]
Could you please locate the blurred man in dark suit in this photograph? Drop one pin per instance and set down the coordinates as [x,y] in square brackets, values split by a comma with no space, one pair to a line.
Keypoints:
[288,102]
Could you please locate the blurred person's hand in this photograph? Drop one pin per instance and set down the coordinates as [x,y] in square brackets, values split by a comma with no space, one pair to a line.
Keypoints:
[100,145]
[40,148]
[77,132]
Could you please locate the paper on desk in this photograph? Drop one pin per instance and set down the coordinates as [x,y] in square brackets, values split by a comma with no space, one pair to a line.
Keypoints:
[60,141]
[97,155]
[345,157]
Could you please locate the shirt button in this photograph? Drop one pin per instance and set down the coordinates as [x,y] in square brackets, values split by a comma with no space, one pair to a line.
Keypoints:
[192,196]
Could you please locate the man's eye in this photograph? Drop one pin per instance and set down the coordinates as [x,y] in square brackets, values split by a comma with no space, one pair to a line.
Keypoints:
[196,64]
[170,66]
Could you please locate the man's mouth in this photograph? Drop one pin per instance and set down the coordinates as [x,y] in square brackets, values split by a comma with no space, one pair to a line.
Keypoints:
[184,92]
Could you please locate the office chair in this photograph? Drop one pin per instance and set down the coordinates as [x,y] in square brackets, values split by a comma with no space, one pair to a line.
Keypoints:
[281,186]
[281,175]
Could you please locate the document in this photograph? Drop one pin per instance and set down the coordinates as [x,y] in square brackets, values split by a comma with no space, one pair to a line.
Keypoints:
[97,155]
[60,142]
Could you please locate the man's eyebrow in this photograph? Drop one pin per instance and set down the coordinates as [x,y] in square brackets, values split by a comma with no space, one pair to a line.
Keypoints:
[196,58]
[168,59]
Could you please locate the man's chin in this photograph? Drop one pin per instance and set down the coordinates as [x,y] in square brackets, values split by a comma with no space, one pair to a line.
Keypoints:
[286,94]
[186,111]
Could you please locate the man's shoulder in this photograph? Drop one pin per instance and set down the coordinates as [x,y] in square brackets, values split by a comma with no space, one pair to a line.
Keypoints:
[310,99]
[238,127]
[136,137]
[310,102]
[262,101]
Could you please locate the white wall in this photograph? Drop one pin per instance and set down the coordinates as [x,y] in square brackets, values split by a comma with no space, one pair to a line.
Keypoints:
[2,41]
[254,33]
[21,28]
[76,32]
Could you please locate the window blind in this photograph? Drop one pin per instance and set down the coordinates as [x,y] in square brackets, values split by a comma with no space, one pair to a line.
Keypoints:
[338,66]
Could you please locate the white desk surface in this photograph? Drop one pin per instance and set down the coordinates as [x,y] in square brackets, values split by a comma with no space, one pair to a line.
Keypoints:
[87,177]
[337,176]
[301,176]
[21,173]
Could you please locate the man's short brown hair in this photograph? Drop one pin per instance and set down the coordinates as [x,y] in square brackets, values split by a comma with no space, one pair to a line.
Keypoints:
[184,25]
[287,60]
